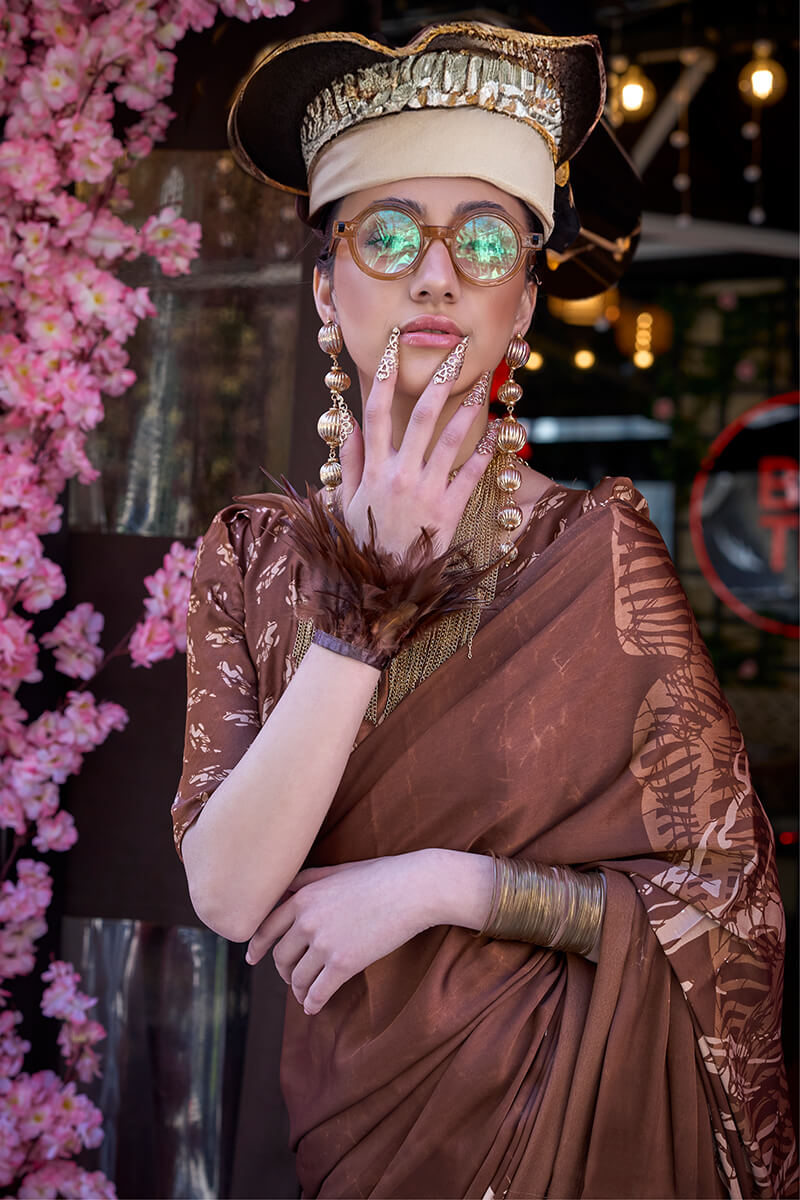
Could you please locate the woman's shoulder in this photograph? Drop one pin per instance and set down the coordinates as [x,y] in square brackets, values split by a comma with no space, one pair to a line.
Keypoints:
[244,530]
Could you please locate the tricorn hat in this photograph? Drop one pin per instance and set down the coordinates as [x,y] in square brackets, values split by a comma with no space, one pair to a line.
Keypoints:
[332,113]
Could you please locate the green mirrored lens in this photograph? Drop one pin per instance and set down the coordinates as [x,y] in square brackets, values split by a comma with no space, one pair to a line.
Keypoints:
[486,247]
[388,241]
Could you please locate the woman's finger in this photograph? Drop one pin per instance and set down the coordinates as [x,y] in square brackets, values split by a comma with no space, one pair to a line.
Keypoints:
[327,982]
[465,482]
[427,410]
[304,974]
[272,927]
[450,440]
[351,456]
[312,874]
[378,407]
[287,952]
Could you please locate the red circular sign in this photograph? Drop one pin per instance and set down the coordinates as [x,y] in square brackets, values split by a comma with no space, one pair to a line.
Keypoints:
[743,515]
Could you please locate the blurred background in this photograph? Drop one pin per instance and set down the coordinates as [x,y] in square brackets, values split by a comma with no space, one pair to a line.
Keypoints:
[683,378]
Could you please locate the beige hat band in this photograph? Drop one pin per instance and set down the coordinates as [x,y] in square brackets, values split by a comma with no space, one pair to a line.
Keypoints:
[455,142]
[435,79]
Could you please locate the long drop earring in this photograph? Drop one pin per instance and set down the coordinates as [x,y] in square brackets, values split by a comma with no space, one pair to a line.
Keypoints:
[510,440]
[335,425]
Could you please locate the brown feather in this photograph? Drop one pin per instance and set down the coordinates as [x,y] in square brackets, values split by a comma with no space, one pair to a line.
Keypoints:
[365,595]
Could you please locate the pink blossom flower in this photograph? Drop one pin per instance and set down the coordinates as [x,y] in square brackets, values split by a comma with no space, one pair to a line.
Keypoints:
[151,641]
[12,815]
[28,896]
[44,585]
[29,168]
[74,388]
[51,328]
[13,1048]
[171,240]
[17,956]
[77,1042]
[110,238]
[20,550]
[75,642]
[62,998]
[18,651]
[66,1179]
[56,833]
[90,723]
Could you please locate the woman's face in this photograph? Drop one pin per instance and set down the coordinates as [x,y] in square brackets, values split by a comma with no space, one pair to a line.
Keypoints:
[367,309]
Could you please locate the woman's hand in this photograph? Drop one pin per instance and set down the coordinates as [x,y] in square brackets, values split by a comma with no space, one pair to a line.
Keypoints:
[404,491]
[340,919]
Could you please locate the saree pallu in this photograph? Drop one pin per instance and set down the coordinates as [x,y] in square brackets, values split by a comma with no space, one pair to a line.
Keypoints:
[586,728]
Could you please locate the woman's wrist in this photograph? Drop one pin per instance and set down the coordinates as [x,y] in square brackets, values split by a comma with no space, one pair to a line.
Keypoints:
[456,887]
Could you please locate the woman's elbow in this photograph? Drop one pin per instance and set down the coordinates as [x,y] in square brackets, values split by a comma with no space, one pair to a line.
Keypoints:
[220,917]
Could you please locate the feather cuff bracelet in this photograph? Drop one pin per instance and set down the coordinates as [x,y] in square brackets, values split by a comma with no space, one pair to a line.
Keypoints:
[374,601]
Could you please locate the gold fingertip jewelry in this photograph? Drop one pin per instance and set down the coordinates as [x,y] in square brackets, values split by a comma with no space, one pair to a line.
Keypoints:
[450,369]
[335,425]
[391,357]
[479,392]
[555,907]
[510,441]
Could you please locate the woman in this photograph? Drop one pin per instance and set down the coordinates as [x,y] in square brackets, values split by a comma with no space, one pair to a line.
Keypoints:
[521,739]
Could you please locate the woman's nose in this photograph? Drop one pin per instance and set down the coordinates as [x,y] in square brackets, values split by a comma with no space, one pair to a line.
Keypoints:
[435,278]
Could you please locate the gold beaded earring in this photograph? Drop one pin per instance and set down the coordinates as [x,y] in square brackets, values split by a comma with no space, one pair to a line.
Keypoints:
[510,440]
[335,425]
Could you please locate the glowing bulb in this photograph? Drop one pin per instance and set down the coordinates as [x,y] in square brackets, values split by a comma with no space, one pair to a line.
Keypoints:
[534,362]
[584,359]
[632,97]
[643,359]
[634,94]
[761,82]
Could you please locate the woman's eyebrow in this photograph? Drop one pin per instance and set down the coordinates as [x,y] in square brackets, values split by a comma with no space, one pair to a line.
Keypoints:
[460,210]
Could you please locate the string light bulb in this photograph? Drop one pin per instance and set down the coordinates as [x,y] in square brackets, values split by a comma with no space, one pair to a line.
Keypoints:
[584,359]
[535,361]
[637,94]
[763,80]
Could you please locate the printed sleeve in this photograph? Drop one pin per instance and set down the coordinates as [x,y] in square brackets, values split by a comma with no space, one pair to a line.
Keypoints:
[222,715]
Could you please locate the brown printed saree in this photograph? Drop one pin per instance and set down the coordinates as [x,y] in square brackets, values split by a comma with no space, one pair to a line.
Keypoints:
[586,728]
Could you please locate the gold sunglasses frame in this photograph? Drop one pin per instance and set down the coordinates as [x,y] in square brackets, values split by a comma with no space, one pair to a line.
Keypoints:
[527,243]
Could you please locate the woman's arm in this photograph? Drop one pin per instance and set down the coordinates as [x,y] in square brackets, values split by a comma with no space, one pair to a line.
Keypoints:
[318,942]
[254,833]
[256,829]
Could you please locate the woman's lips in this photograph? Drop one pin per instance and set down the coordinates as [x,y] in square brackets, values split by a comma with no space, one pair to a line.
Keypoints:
[430,337]
[438,332]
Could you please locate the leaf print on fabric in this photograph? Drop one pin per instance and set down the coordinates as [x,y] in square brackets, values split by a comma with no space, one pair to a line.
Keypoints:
[224,635]
[242,718]
[209,775]
[197,695]
[268,575]
[226,555]
[267,639]
[650,609]
[233,677]
[199,741]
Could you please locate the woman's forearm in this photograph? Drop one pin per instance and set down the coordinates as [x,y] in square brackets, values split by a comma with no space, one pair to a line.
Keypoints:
[253,835]
[460,890]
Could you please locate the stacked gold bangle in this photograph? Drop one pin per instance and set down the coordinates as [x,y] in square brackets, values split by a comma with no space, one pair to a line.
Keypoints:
[548,906]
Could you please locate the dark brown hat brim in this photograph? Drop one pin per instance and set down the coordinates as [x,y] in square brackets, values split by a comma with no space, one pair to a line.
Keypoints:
[607,200]
[266,117]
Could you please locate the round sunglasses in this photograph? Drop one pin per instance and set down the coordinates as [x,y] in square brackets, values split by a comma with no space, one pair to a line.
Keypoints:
[388,242]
